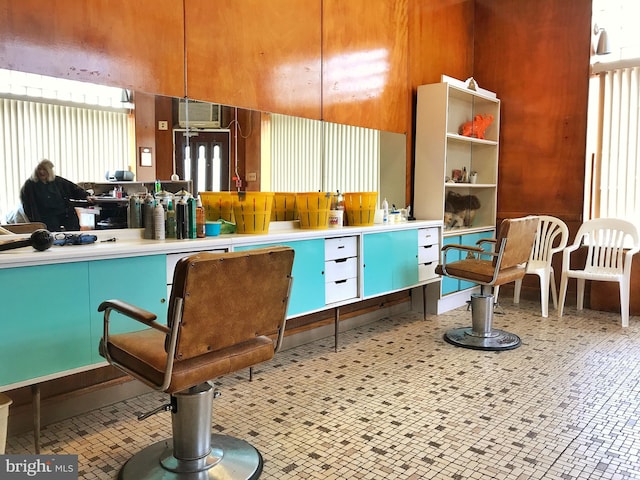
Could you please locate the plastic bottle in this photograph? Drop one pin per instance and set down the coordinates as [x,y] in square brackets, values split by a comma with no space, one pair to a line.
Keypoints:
[385,211]
[149,206]
[158,222]
[191,215]
[134,212]
[200,219]
[171,221]
[158,186]
[182,220]
[340,206]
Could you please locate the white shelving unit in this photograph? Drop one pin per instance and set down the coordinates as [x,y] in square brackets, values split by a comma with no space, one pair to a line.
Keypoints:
[440,148]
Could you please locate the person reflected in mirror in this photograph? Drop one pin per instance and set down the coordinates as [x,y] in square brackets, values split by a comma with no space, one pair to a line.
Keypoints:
[46,197]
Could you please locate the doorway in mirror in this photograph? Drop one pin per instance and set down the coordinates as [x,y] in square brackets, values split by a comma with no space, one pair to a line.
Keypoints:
[203,157]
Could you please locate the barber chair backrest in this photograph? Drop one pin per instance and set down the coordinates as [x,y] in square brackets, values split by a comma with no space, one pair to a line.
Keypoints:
[235,298]
[520,234]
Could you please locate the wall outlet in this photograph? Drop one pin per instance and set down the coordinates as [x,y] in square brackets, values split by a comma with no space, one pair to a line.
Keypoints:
[163,125]
[252,176]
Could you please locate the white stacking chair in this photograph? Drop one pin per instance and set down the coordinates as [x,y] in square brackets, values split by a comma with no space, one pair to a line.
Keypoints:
[611,244]
[552,237]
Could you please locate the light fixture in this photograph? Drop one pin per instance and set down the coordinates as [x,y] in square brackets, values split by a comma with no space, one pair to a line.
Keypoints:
[601,41]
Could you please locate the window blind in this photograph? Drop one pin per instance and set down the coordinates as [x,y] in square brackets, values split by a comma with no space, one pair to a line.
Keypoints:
[309,155]
[82,143]
[617,178]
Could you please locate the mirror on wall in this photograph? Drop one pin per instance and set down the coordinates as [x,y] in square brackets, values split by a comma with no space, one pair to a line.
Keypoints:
[215,147]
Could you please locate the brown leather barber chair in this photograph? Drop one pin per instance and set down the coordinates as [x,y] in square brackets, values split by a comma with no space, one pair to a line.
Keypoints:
[226,312]
[505,262]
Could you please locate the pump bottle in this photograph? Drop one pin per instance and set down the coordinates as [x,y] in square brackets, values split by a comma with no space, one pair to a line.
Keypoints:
[385,211]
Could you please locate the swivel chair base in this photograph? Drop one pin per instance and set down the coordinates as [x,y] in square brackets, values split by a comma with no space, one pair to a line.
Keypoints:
[194,453]
[481,336]
[500,340]
[230,458]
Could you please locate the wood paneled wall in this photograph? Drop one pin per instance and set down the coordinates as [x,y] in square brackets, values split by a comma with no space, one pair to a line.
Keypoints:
[137,45]
[440,41]
[541,75]
[364,63]
[535,55]
[255,54]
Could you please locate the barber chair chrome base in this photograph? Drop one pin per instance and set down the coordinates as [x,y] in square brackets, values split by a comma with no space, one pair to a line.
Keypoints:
[481,335]
[194,453]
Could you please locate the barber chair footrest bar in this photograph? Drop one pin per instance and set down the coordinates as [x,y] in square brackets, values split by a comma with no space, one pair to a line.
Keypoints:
[230,458]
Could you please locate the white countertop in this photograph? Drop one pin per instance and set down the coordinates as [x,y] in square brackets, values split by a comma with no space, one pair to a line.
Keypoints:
[129,243]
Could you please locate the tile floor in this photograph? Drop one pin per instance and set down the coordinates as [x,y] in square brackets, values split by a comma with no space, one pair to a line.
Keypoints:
[397,402]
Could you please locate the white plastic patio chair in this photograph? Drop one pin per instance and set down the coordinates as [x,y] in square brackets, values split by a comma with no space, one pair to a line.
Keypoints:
[611,244]
[552,237]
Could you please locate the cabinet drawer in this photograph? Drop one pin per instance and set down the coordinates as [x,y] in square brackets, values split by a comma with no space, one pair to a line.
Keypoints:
[428,236]
[341,290]
[428,253]
[340,247]
[427,271]
[341,269]
[172,261]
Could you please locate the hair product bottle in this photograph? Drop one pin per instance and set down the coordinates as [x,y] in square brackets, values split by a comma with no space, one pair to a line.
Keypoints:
[171,221]
[148,217]
[200,219]
[158,222]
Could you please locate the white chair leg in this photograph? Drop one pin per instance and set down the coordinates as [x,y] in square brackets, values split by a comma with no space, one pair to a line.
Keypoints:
[563,294]
[516,291]
[624,302]
[580,302]
[544,295]
[552,284]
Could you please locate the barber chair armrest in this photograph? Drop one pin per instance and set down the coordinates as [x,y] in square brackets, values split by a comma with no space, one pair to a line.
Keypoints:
[471,251]
[467,248]
[136,313]
[487,240]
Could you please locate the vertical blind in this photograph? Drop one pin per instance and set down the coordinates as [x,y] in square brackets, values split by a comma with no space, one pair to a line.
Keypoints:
[83,143]
[309,155]
[617,179]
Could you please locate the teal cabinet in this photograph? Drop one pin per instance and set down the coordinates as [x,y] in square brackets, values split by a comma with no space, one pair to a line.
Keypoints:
[141,281]
[45,313]
[448,284]
[307,291]
[452,285]
[390,261]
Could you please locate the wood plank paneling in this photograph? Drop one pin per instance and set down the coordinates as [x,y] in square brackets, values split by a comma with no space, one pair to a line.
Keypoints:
[131,44]
[256,55]
[364,63]
[541,75]
[440,41]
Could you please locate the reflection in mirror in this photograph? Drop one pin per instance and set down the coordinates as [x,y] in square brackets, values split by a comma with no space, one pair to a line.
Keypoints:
[309,155]
[82,128]
[87,136]
[202,147]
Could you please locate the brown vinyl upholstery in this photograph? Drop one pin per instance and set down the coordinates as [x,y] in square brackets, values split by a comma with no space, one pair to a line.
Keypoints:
[226,312]
[507,262]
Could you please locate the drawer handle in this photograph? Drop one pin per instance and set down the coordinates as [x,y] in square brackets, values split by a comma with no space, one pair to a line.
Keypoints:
[341,246]
[341,281]
[340,260]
